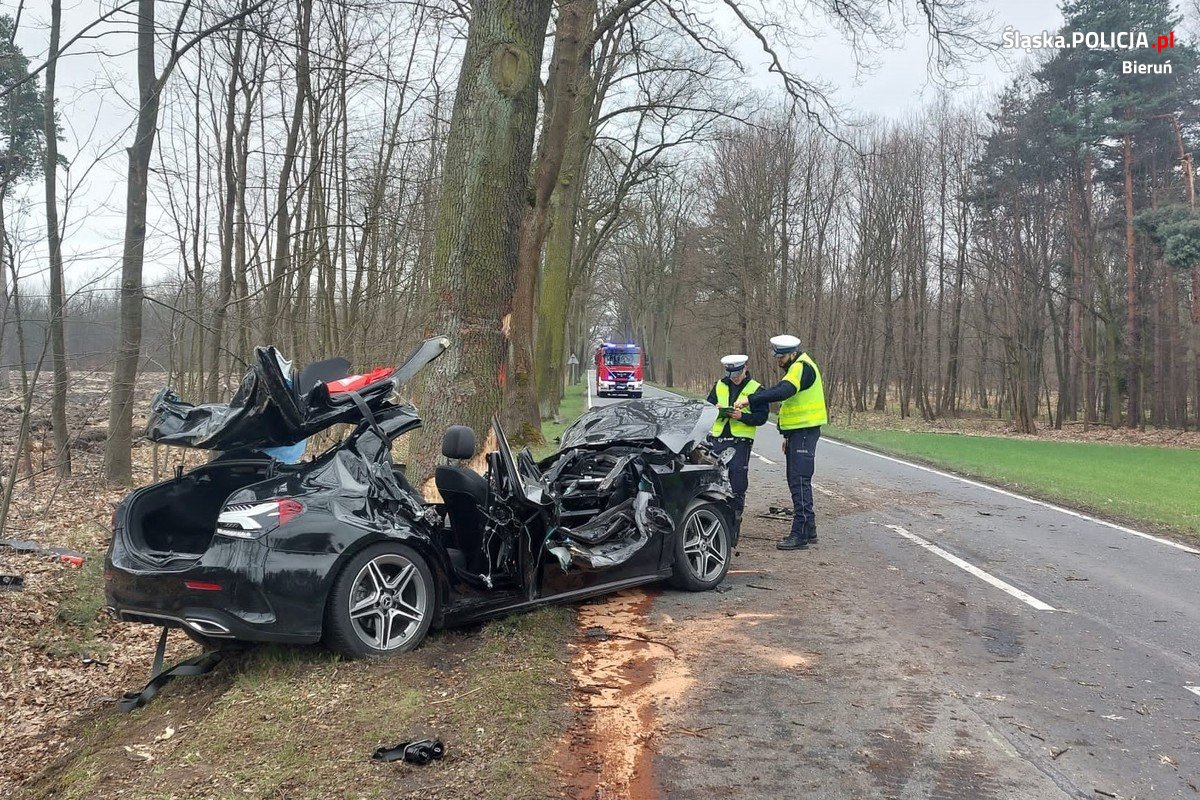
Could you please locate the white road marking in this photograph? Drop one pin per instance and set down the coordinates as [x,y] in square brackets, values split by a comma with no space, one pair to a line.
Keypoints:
[589,387]
[987,577]
[824,491]
[1193,689]
[1016,496]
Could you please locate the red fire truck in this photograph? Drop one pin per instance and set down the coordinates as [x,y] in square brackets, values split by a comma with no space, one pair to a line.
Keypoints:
[619,369]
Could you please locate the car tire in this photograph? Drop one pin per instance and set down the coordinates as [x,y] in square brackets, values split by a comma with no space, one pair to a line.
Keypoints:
[702,547]
[386,585]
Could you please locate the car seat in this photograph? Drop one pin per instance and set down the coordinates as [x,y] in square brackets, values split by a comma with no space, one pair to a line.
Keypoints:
[464,491]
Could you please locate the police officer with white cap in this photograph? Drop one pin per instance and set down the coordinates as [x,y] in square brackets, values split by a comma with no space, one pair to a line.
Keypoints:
[734,427]
[802,412]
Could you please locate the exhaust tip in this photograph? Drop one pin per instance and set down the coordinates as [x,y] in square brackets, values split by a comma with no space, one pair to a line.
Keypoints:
[207,627]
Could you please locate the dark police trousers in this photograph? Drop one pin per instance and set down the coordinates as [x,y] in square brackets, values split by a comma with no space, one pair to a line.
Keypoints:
[801,457]
[739,471]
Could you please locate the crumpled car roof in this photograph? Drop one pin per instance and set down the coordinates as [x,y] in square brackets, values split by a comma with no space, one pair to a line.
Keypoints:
[676,423]
[268,409]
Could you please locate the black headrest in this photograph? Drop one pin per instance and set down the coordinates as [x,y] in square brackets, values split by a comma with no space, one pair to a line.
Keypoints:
[459,442]
[331,369]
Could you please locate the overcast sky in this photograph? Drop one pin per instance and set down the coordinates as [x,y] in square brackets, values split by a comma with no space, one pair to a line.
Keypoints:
[893,84]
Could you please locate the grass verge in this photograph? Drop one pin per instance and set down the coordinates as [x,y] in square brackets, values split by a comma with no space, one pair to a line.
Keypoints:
[1144,484]
[573,404]
[299,723]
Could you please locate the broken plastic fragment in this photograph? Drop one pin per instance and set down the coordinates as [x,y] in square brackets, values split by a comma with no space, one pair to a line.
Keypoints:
[563,555]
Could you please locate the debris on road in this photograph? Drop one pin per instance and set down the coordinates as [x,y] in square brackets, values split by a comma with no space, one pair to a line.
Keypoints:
[13,583]
[778,512]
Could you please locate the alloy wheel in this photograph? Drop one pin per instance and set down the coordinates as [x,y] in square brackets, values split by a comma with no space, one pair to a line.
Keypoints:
[388,601]
[705,544]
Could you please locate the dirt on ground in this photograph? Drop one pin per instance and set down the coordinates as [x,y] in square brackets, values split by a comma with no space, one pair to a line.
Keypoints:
[61,657]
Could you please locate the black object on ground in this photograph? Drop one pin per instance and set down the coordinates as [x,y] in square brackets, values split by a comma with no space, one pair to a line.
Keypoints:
[12,582]
[419,752]
[196,665]
[30,546]
[778,512]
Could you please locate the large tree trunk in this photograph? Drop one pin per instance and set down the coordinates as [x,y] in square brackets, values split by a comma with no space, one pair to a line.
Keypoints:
[117,455]
[1073,357]
[480,211]
[1132,345]
[554,296]
[572,49]
[58,351]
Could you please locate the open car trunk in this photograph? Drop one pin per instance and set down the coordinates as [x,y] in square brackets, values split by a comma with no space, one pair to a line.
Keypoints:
[176,519]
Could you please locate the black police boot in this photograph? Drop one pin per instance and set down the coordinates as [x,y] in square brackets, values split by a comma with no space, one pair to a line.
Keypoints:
[810,533]
[795,541]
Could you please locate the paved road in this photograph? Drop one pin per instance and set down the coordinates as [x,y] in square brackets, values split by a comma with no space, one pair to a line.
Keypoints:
[961,642]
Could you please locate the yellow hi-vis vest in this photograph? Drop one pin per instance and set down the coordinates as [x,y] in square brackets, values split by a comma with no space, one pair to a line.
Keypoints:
[806,408]
[736,426]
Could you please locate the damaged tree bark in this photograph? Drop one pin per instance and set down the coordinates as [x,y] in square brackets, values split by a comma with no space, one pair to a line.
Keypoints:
[573,43]
[480,212]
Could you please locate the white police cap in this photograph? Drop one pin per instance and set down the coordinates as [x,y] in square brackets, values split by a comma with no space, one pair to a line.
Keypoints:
[735,362]
[784,344]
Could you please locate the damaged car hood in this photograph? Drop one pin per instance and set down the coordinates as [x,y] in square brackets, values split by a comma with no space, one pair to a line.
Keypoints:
[676,423]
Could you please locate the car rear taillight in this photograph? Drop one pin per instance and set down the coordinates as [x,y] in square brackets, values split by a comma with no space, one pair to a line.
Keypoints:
[289,509]
[203,586]
[252,520]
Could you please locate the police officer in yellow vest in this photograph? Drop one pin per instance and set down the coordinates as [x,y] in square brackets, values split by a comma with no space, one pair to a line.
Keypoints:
[734,428]
[802,412]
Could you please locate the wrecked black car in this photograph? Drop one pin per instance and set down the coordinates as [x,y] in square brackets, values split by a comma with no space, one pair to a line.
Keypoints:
[342,549]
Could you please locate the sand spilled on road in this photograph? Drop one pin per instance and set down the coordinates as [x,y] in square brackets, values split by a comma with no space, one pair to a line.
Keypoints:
[622,675]
[628,672]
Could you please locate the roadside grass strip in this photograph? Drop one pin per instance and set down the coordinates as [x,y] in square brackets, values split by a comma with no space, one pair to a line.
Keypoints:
[967,566]
[569,409]
[1154,484]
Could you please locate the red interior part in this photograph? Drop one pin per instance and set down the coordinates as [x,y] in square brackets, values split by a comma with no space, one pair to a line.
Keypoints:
[358,381]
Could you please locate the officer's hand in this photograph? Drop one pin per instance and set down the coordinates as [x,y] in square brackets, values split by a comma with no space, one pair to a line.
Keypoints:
[736,413]
[741,402]
[783,447]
